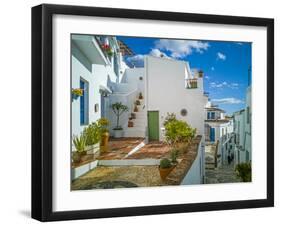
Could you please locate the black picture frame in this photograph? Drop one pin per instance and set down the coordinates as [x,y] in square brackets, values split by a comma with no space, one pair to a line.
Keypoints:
[42,111]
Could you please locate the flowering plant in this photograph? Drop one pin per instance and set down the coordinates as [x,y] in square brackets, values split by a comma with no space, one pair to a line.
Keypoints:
[107,49]
[77,92]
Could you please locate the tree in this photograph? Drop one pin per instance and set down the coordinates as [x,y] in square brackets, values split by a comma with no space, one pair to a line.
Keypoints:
[118,108]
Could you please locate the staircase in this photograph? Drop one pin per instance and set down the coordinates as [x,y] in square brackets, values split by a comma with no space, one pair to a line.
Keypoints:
[139,123]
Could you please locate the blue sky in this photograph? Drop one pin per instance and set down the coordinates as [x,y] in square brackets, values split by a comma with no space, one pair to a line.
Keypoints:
[225,64]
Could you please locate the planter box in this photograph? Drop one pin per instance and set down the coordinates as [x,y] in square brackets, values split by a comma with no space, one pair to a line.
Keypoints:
[92,149]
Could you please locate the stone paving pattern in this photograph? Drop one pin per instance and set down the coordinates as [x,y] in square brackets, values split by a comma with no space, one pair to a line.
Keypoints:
[224,174]
[141,176]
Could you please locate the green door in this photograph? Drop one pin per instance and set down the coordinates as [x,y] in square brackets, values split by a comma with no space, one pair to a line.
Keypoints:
[153,125]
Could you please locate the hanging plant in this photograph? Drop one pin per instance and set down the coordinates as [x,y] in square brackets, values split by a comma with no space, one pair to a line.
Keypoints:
[77,92]
[107,49]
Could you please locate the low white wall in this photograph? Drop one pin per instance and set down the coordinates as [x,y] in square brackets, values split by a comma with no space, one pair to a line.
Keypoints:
[196,172]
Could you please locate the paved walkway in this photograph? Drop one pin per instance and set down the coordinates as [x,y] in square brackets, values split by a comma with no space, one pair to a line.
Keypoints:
[224,174]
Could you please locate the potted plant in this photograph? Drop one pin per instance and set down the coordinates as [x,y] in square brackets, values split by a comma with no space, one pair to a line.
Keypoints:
[165,168]
[130,122]
[137,102]
[104,133]
[174,155]
[107,49]
[79,144]
[136,108]
[118,109]
[92,137]
[140,96]
[133,115]
[76,93]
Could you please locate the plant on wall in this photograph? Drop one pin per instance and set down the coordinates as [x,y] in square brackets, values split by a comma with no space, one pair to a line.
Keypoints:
[78,92]
[244,171]
[107,49]
[118,109]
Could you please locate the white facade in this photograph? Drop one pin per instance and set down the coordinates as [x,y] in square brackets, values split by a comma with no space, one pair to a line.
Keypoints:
[242,130]
[167,92]
[97,70]
[168,86]
[195,174]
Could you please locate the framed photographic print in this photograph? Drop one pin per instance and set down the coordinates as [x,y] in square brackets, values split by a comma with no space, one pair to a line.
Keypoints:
[146,112]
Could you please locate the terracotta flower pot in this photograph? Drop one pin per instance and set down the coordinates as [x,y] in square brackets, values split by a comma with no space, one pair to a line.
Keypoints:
[76,157]
[130,124]
[104,141]
[164,172]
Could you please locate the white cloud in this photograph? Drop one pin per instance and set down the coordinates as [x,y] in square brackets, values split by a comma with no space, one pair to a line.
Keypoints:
[233,85]
[229,100]
[181,48]
[158,53]
[221,56]
[137,60]
[224,85]
[207,77]
[218,85]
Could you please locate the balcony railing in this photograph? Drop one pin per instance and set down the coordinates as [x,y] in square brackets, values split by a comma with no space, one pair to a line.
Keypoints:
[191,83]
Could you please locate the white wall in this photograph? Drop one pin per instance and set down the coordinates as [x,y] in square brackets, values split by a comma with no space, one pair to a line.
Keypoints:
[95,76]
[170,95]
[132,77]
[192,176]
[17,30]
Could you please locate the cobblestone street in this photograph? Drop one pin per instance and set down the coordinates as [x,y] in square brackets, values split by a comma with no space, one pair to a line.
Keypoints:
[224,174]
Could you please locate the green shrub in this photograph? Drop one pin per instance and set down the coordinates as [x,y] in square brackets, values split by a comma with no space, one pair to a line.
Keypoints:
[173,155]
[244,171]
[103,123]
[165,163]
[92,133]
[177,131]
[79,143]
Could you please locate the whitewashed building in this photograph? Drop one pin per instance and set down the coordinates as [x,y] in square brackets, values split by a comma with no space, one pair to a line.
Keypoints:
[97,72]
[242,131]
[219,130]
[167,86]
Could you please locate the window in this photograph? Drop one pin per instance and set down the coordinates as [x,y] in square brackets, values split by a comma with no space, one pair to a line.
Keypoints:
[210,115]
[84,102]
